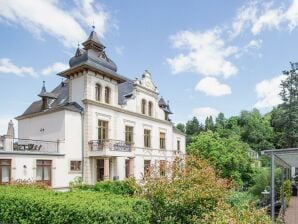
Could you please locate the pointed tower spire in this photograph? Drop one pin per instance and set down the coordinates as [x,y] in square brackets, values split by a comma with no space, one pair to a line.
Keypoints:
[93,42]
[43,89]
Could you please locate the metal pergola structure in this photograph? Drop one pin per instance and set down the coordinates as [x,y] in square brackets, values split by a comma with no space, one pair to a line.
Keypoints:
[286,158]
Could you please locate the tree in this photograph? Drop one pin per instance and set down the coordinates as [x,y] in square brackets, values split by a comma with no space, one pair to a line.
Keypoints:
[192,126]
[220,120]
[256,130]
[181,127]
[289,112]
[209,124]
[228,155]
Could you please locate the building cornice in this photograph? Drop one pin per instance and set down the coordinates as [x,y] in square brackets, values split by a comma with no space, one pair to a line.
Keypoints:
[58,109]
[86,67]
[30,153]
[117,109]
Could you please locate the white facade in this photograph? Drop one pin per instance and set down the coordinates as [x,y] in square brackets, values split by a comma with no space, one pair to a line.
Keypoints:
[82,127]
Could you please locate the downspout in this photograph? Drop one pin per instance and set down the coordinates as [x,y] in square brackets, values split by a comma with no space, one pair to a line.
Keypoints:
[82,133]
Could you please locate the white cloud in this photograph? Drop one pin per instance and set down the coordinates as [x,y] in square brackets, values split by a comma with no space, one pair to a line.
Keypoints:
[49,17]
[258,16]
[206,54]
[7,67]
[292,15]
[268,92]
[254,44]
[212,87]
[54,68]
[89,12]
[203,112]
[270,19]
[244,17]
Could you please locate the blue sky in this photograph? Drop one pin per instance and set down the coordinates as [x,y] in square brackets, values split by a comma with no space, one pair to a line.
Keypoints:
[204,56]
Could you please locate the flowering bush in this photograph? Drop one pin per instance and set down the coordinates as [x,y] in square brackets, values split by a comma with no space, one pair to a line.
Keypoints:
[193,193]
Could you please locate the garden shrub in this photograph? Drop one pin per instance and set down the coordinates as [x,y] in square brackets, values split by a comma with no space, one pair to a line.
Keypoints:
[287,191]
[123,187]
[193,193]
[241,199]
[44,206]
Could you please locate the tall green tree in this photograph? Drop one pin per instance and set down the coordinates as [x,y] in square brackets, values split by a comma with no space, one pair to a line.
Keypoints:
[209,124]
[256,130]
[181,127]
[228,155]
[192,127]
[285,117]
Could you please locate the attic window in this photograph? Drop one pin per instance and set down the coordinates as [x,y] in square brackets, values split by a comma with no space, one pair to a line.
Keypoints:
[51,101]
[128,95]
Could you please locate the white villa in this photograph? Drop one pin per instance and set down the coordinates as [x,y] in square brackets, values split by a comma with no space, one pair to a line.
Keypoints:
[96,124]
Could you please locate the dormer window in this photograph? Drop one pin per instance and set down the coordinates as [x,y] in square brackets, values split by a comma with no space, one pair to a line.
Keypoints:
[97,92]
[143,106]
[107,95]
[150,108]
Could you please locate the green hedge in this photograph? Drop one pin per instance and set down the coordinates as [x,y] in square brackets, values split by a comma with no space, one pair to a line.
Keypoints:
[44,206]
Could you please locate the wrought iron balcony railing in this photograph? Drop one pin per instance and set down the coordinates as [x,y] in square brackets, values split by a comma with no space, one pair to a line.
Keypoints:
[110,144]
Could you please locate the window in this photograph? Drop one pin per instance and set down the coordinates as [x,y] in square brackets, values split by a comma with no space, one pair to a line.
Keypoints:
[178,145]
[98,92]
[43,171]
[129,135]
[162,140]
[150,108]
[143,106]
[102,132]
[76,165]
[147,138]
[107,94]
[5,171]
[147,166]
[162,168]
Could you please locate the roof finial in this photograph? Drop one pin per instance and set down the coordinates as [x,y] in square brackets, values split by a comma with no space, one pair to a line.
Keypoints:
[43,89]
[93,26]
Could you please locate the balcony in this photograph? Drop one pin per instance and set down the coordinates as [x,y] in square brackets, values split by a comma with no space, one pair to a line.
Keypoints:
[21,145]
[110,147]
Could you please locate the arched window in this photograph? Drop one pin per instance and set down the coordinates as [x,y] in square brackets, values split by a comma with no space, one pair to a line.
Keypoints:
[150,108]
[97,92]
[107,94]
[143,106]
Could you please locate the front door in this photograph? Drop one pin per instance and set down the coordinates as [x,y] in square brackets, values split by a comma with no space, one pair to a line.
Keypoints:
[100,169]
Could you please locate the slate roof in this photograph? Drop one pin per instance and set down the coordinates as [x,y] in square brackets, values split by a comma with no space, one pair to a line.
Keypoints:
[176,130]
[61,102]
[164,106]
[125,91]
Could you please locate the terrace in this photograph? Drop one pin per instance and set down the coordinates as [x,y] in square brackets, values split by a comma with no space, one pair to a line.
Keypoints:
[30,146]
[110,147]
